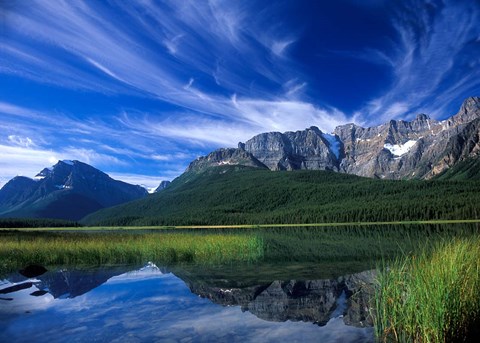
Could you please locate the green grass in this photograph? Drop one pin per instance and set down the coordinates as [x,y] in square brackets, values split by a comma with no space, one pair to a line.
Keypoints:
[18,249]
[432,296]
[357,243]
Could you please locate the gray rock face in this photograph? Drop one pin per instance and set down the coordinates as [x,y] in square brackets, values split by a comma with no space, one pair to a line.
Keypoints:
[225,157]
[421,148]
[308,149]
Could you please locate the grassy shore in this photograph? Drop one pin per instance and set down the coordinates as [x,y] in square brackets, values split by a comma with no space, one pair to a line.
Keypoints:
[56,249]
[432,296]
[97,246]
[243,226]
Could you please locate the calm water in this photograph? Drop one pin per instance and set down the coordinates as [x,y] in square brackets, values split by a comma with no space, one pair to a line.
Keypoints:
[309,285]
[183,304]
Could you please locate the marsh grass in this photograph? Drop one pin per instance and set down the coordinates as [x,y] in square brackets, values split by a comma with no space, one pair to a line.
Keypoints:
[431,296]
[361,243]
[20,249]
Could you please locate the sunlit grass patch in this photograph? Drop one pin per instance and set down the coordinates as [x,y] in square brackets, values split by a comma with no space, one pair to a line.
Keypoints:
[20,249]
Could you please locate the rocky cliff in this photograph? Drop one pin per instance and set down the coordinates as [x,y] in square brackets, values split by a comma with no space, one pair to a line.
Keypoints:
[421,148]
[225,157]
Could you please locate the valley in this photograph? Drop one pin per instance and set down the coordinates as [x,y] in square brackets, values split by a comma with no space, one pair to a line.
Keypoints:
[290,228]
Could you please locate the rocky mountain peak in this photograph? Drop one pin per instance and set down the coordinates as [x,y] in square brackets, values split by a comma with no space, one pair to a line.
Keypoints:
[422,117]
[72,186]
[44,173]
[162,186]
[397,149]
[224,156]
[470,104]
[469,111]
[315,129]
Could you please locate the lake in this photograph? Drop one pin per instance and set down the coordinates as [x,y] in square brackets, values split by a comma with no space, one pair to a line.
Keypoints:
[156,304]
[304,285]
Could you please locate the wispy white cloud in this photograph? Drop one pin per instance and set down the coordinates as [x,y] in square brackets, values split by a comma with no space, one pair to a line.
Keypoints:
[189,84]
[247,118]
[430,62]
[396,109]
[293,86]
[16,160]
[21,141]
[201,36]
[172,44]
[285,115]
[103,68]
[279,47]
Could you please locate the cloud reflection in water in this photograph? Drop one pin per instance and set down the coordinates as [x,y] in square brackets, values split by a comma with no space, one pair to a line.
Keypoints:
[148,305]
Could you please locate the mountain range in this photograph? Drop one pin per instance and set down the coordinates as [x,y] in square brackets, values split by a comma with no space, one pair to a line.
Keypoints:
[423,148]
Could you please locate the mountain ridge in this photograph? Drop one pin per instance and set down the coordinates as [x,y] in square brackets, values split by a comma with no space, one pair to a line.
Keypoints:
[68,190]
[421,148]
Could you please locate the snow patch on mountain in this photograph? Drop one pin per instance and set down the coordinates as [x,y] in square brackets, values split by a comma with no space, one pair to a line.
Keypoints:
[400,149]
[333,144]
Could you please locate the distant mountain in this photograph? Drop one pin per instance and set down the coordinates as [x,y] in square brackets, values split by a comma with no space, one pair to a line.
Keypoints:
[422,148]
[68,190]
[162,186]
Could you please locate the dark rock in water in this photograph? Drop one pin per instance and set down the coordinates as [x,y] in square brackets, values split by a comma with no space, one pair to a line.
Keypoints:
[33,270]
[38,293]
[6,299]
[16,288]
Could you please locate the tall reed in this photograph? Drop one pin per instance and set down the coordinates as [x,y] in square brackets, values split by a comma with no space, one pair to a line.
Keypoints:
[21,249]
[433,296]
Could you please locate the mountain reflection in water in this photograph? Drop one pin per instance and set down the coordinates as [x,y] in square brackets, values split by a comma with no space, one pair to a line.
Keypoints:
[150,304]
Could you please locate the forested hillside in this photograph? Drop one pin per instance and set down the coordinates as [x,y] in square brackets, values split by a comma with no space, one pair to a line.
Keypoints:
[465,170]
[242,195]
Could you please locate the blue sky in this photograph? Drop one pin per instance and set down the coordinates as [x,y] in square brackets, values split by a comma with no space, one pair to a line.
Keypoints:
[140,88]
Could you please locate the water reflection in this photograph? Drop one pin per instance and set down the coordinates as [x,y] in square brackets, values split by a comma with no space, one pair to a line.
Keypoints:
[150,304]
